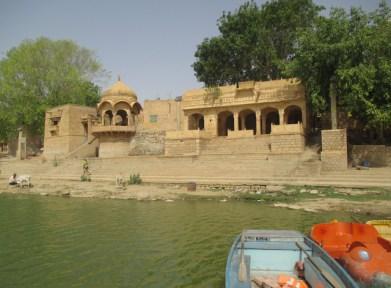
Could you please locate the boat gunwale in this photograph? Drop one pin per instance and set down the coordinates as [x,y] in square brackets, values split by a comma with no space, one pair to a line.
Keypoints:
[314,248]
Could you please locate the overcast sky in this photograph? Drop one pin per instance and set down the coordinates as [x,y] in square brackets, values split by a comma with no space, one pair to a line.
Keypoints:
[150,43]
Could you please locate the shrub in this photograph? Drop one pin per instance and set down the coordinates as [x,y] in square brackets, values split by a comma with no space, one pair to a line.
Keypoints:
[134,179]
[84,178]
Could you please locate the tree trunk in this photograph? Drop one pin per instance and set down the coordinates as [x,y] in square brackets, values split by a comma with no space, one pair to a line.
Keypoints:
[333,107]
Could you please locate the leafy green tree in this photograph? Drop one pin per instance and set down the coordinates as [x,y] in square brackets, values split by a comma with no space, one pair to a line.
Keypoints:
[254,42]
[364,81]
[351,52]
[43,73]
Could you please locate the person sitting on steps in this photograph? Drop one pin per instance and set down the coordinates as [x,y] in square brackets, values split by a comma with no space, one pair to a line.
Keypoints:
[12,180]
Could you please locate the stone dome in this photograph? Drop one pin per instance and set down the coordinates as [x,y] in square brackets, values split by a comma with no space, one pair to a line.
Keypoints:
[120,89]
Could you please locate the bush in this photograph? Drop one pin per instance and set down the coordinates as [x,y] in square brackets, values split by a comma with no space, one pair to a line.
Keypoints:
[55,161]
[84,178]
[134,179]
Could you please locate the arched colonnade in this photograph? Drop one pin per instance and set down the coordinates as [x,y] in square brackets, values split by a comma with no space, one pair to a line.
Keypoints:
[259,121]
[119,114]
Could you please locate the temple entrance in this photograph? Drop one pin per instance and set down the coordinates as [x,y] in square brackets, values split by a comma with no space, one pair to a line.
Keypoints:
[196,122]
[269,116]
[225,123]
[293,115]
[247,120]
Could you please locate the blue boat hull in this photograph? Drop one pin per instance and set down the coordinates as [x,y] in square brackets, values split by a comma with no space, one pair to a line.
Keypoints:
[260,254]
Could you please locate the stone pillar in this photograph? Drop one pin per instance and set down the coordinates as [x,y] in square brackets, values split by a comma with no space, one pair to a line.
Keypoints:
[89,128]
[243,122]
[129,116]
[258,117]
[21,153]
[334,154]
[103,117]
[263,128]
[186,123]
[333,104]
[304,117]
[281,115]
[236,121]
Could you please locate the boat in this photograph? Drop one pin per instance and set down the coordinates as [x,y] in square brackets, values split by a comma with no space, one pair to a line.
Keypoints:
[383,227]
[359,248]
[282,258]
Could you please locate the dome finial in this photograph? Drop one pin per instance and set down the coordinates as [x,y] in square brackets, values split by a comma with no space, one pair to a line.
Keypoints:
[119,77]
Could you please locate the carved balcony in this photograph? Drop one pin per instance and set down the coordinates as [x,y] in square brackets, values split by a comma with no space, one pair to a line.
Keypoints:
[112,129]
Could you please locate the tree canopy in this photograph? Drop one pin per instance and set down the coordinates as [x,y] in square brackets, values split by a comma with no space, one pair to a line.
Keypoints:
[43,73]
[351,51]
[254,42]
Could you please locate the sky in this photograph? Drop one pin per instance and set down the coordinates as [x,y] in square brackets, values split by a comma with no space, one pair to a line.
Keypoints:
[149,43]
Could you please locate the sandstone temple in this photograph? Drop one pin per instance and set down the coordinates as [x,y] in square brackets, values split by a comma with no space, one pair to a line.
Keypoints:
[268,118]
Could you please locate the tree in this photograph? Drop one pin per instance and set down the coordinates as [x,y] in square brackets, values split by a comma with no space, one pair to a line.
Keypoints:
[364,81]
[351,52]
[40,74]
[254,42]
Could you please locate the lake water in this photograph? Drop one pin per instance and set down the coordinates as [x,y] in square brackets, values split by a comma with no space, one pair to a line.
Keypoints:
[61,242]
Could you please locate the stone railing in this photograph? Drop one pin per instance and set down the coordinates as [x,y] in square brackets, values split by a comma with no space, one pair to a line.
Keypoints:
[240,134]
[112,129]
[288,129]
[238,98]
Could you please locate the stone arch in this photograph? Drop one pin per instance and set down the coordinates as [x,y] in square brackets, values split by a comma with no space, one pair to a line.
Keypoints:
[121,118]
[292,115]
[269,116]
[107,118]
[247,120]
[196,121]
[225,122]
[136,108]
[105,105]
[122,105]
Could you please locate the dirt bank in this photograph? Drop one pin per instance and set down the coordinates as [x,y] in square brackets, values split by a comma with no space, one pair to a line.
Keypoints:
[311,199]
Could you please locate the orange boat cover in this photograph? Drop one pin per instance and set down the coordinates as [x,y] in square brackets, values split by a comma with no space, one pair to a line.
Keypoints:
[358,247]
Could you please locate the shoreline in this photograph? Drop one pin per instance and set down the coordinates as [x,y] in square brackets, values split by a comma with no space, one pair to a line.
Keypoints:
[313,199]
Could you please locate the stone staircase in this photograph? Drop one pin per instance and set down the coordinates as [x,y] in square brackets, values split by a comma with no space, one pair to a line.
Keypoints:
[309,164]
[208,169]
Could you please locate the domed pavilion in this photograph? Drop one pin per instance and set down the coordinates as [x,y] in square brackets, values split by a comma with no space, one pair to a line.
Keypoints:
[118,117]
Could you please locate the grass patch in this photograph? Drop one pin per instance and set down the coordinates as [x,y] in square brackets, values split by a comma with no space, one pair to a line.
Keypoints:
[292,194]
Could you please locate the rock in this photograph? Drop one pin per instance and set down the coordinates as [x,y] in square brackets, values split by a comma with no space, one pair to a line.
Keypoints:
[274,188]
[310,210]
[44,194]
[191,186]
[223,200]
[66,194]
[303,190]
[314,191]
[258,192]
[169,200]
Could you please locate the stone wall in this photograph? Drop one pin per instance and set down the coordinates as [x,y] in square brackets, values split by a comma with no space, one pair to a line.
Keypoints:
[182,147]
[334,154]
[217,146]
[113,147]
[376,155]
[67,133]
[287,143]
[162,115]
[226,145]
[147,143]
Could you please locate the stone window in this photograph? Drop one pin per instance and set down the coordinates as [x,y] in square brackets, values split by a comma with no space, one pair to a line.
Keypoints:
[153,118]
[55,121]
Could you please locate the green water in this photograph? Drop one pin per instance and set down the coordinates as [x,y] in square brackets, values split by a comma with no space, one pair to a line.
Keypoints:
[59,242]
